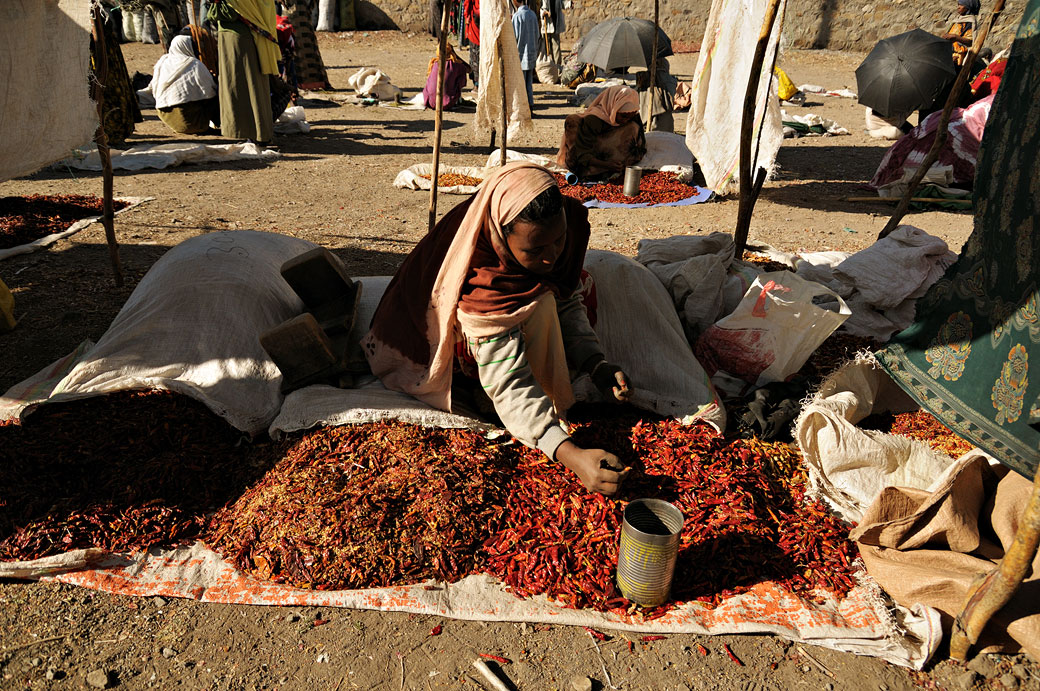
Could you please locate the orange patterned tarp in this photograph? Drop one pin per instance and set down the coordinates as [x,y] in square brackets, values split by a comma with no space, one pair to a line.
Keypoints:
[860,623]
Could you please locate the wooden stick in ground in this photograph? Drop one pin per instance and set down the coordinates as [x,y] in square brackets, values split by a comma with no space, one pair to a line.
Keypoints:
[653,71]
[942,131]
[108,210]
[991,592]
[195,13]
[505,100]
[442,48]
[750,187]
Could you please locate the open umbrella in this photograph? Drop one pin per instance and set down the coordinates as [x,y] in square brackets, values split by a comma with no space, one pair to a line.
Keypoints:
[905,72]
[623,42]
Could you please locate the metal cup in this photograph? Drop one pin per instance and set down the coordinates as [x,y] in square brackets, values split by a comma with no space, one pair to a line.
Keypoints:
[633,174]
[649,545]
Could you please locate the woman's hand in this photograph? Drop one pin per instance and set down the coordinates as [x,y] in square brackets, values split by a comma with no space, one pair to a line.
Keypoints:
[598,470]
[611,381]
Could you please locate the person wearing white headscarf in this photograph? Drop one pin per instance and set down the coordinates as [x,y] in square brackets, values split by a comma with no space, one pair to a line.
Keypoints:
[185,91]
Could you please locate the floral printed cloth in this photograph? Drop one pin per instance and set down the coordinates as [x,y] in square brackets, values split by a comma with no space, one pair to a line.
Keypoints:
[967,359]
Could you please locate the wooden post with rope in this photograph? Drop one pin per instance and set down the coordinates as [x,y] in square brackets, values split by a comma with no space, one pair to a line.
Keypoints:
[942,131]
[653,71]
[749,188]
[97,88]
[505,111]
[442,49]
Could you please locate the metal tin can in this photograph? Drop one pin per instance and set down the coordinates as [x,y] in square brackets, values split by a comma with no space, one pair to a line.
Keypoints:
[571,178]
[649,544]
[633,174]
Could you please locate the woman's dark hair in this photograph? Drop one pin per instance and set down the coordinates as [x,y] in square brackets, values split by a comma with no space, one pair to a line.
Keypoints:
[545,206]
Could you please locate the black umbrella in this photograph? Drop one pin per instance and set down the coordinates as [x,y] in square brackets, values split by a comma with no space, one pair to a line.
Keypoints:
[905,72]
[623,42]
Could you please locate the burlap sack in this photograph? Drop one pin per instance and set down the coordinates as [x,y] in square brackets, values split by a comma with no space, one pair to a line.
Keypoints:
[927,548]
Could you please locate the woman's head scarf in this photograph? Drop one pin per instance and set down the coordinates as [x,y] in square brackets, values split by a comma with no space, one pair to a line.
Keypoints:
[450,56]
[973,6]
[464,266]
[179,77]
[612,102]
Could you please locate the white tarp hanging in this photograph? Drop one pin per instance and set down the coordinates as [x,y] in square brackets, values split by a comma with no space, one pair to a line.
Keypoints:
[496,26]
[45,106]
[719,85]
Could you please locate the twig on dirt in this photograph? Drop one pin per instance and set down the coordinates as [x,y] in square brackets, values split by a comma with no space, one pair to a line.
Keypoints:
[603,664]
[816,662]
[491,677]
[23,646]
[400,658]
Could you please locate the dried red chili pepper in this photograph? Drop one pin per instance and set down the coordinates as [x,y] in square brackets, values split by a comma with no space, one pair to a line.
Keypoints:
[596,634]
[497,658]
[702,650]
[651,639]
[733,657]
[436,630]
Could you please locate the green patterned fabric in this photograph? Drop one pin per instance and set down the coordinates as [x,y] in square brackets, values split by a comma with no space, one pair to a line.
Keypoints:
[973,357]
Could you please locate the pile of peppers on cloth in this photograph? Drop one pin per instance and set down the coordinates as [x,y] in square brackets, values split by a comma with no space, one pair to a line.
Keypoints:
[29,218]
[392,503]
[654,188]
[353,508]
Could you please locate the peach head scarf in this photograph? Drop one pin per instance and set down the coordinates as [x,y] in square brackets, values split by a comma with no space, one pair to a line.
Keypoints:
[465,265]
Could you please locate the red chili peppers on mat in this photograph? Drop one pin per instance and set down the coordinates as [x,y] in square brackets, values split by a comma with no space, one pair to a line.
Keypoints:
[390,503]
[24,219]
[654,188]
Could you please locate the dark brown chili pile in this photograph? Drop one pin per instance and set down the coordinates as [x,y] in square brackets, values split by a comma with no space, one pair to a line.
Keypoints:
[24,219]
[121,472]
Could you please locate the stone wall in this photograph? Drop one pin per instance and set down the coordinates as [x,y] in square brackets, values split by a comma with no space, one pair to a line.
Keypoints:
[833,24]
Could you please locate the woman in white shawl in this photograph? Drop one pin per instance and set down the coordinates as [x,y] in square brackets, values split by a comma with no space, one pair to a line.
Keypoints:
[185,92]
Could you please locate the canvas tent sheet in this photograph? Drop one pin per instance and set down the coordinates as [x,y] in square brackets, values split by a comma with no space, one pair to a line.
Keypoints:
[45,106]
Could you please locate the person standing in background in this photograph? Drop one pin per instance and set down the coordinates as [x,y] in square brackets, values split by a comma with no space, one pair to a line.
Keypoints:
[525,26]
[248,54]
[310,68]
[962,30]
[471,20]
[554,26]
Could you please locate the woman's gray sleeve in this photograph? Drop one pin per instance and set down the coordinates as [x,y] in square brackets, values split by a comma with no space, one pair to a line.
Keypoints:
[579,339]
[520,401]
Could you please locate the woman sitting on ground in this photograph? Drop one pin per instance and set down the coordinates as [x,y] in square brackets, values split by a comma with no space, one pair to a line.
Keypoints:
[599,143]
[488,305]
[455,73]
[185,92]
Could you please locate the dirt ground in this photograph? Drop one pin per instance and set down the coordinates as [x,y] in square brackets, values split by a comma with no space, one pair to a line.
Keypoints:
[333,187]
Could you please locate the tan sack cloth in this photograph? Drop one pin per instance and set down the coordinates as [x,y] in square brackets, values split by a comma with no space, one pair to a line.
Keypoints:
[927,548]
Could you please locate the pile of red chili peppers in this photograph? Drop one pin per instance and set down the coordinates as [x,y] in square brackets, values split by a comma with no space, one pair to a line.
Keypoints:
[654,188]
[393,503]
[923,426]
[24,219]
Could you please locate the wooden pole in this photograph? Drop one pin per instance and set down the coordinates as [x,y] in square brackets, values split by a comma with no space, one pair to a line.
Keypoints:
[749,188]
[943,129]
[505,100]
[992,591]
[442,49]
[108,210]
[653,71]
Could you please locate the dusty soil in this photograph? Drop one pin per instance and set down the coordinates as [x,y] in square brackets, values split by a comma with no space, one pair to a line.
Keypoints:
[333,187]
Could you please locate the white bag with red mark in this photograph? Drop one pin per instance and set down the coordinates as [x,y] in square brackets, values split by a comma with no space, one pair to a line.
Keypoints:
[778,324]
